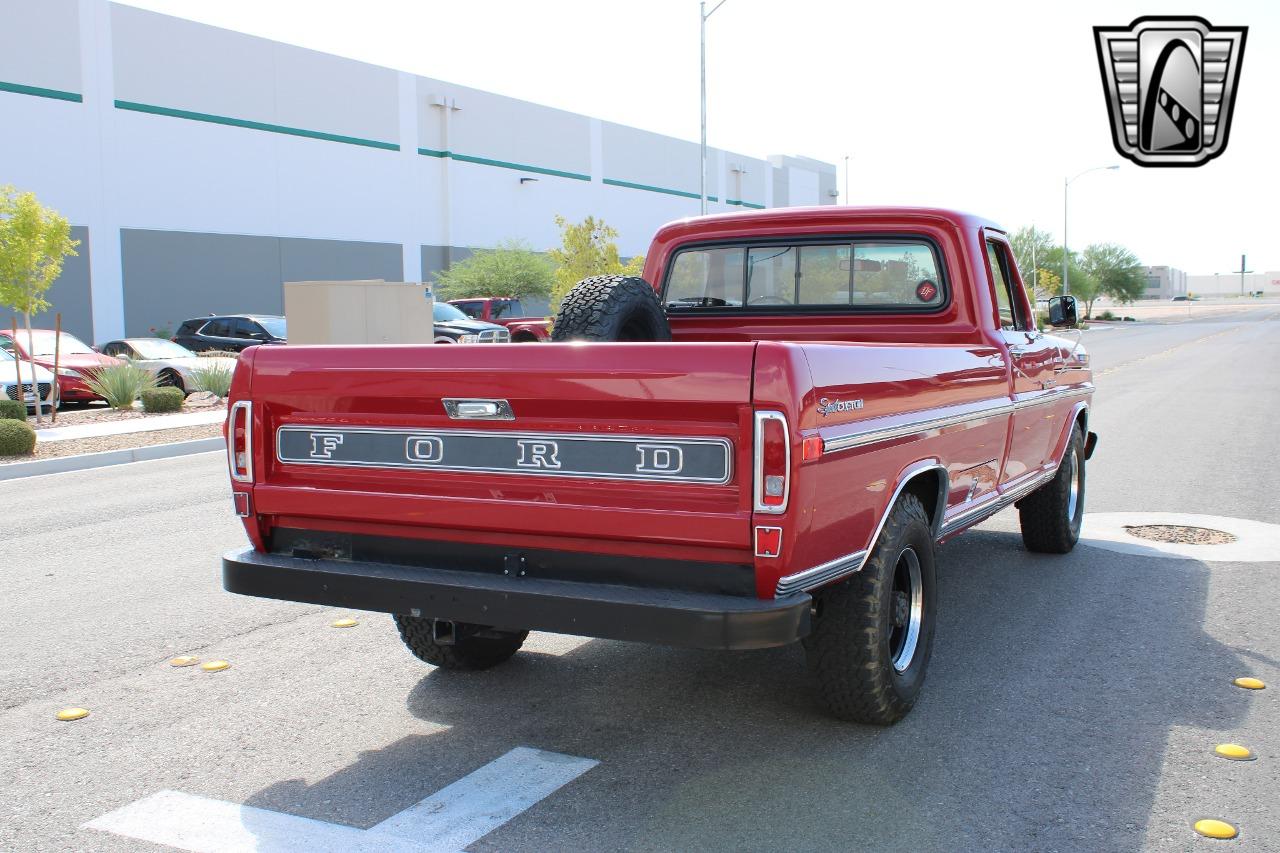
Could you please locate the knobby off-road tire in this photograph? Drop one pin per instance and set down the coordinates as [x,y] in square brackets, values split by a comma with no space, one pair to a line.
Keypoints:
[611,308]
[1051,515]
[468,651]
[860,651]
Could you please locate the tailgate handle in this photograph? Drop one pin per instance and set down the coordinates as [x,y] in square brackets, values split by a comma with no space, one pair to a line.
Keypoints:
[478,410]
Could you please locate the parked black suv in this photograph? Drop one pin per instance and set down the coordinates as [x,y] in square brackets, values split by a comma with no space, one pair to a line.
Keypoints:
[230,332]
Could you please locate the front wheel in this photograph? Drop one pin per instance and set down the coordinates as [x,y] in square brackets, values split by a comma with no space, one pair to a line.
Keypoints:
[1051,515]
[873,634]
[466,646]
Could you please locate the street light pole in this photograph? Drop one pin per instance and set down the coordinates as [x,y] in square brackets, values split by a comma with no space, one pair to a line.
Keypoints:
[703,14]
[846,179]
[1066,185]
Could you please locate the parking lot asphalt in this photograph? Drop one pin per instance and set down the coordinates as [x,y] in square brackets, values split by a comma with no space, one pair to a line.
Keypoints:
[1073,703]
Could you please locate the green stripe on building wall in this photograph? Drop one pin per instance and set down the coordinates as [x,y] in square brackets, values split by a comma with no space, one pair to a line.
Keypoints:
[614,182]
[40,92]
[254,125]
[742,203]
[503,164]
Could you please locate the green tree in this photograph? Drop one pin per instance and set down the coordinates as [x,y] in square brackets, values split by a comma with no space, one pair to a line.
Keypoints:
[587,248]
[512,268]
[1084,286]
[1030,248]
[1118,271]
[34,240]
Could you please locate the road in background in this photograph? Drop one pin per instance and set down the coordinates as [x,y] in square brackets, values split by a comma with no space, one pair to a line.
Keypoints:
[1073,702]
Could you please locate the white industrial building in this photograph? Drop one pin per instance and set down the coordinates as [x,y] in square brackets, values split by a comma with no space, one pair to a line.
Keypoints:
[201,167]
[1266,283]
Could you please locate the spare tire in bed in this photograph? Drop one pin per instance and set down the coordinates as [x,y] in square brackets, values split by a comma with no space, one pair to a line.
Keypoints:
[611,308]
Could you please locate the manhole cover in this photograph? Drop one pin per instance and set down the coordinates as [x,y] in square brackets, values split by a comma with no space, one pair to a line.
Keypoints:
[1180,534]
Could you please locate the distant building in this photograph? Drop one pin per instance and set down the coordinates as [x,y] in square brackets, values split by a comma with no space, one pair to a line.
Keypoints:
[1230,284]
[200,168]
[1165,283]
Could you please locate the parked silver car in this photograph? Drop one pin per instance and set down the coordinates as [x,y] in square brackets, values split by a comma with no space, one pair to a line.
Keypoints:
[9,370]
[172,364]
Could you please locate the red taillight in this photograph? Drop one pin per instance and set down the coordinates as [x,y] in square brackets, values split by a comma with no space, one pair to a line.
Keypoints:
[773,462]
[239,441]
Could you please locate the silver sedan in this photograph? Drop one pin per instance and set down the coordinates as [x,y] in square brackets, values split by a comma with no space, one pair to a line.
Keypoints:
[173,364]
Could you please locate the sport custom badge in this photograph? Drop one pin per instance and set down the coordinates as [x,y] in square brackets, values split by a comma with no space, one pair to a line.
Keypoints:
[1170,84]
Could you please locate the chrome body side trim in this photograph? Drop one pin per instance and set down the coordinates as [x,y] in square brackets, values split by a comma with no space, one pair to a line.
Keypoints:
[820,574]
[757,502]
[990,506]
[849,564]
[861,435]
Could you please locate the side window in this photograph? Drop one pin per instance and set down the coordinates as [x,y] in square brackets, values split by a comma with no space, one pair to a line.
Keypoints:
[500,308]
[710,277]
[771,275]
[471,309]
[242,328]
[6,345]
[114,349]
[1011,318]
[217,329]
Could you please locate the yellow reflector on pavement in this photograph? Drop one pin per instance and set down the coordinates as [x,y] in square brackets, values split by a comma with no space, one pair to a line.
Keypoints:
[184,660]
[343,623]
[1234,751]
[1210,828]
[68,714]
[1249,683]
[214,665]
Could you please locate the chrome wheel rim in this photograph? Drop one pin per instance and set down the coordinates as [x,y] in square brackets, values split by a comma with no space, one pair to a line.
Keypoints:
[1073,490]
[907,616]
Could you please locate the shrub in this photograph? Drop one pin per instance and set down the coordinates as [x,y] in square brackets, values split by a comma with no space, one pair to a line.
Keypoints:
[162,399]
[121,384]
[1107,315]
[17,438]
[13,410]
[216,379]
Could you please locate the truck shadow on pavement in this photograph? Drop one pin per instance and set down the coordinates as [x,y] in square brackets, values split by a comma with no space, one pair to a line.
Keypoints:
[1052,689]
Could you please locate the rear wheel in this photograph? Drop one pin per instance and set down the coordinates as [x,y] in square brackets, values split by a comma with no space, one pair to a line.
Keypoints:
[460,645]
[611,308]
[1051,515]
[873,634]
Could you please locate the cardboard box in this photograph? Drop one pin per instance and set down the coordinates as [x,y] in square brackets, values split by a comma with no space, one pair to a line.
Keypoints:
[359,312]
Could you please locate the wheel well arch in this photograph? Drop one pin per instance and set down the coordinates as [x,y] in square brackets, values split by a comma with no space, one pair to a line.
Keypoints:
[524,336]
[929,482]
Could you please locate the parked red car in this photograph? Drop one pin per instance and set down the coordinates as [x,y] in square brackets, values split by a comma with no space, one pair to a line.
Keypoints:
[506,311]
[76,360]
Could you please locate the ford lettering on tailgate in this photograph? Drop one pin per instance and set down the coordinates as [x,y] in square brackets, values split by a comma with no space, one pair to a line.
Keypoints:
[684,460]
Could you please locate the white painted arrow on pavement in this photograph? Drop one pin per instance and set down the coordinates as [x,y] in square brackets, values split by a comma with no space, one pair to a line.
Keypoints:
[445,822]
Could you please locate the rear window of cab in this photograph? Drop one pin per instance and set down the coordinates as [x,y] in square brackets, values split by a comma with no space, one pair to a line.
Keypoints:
[880,274]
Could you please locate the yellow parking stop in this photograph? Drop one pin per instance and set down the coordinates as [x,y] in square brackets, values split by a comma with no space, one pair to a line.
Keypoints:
[1210,828]
[1234,751]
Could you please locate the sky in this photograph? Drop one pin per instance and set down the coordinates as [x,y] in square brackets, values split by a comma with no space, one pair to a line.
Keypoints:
[983,107]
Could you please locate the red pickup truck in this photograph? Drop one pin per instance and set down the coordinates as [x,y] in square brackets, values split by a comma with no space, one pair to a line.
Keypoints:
[506,311]
[795,408]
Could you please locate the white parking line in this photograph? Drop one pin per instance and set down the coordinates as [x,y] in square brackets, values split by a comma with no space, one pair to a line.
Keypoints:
[448,820]
[482,801]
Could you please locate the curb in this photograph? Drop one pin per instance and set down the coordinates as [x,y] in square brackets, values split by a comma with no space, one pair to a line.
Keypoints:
[86,461]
